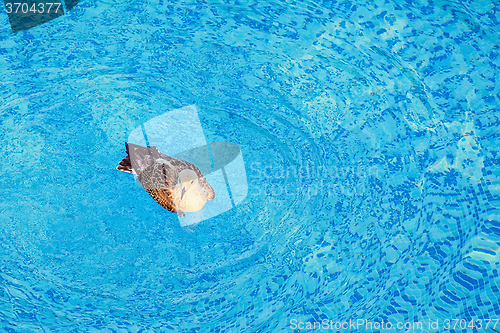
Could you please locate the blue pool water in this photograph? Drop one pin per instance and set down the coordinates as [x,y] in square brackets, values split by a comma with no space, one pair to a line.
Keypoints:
[370,138]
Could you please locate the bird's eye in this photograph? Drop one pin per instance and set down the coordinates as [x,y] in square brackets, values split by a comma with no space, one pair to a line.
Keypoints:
[192,181]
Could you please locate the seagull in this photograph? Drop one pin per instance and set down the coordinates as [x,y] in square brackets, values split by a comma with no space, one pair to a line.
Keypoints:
[176,185]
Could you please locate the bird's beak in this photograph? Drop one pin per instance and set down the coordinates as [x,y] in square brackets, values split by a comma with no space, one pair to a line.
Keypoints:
[183,191]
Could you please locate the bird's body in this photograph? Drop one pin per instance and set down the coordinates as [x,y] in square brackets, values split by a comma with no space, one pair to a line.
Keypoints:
[176,185]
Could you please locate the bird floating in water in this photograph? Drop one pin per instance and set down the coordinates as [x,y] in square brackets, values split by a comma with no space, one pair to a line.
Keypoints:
[176,185]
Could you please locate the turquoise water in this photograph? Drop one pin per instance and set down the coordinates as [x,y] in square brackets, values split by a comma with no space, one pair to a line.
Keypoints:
[370,137]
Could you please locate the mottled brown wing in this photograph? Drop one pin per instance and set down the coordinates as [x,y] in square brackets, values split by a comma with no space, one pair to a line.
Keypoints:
[158,179]
[180,165]
[164,198]
[151,174]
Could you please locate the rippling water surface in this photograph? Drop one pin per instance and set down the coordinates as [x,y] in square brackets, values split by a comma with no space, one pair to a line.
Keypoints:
[370,135]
